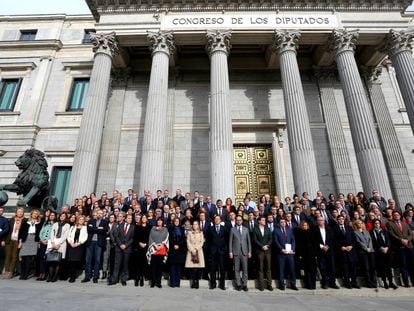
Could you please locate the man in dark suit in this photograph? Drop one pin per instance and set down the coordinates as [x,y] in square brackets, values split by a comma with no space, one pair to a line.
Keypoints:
[218,209]
[124,236]
[325,244]
[401,242]
[209,205]
[166,198]
[97,229]
[297,215]
[285,248]
[345,246]
[262,239]
[178,197]
[240,249]
[217,248]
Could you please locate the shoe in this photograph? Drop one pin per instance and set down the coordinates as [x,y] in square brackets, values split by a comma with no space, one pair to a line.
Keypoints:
[159,285]
[282,287]
[136,283]
[407,286]
[324,286]
[104,275]
[245,288]
[393,286]
[71,280]
[95,280]
[238,288]
[40,279]
[334,286]
[141,282]
[85,280]
[261,289]
[294,287]
[111,283]
[222,287]
[212,287]
[270,288]
[356,286]
[312,287]
[123,283]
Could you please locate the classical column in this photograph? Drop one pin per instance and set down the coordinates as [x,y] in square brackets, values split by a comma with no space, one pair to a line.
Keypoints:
[88,145]
[221,140]
[399,45]
[397,169]
[305,176]
[344,177]
[153,146]
[279,164]
[108,162]
[367,148]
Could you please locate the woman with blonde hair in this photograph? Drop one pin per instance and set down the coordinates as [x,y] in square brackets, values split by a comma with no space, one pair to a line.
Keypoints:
[29,243]
[78,235]
[195,256]
[366,253]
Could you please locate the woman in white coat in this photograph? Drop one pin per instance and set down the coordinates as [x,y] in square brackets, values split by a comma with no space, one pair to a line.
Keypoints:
[78,235]
[57,242]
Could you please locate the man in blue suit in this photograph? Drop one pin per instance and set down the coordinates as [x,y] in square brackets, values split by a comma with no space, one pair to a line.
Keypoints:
[285,248]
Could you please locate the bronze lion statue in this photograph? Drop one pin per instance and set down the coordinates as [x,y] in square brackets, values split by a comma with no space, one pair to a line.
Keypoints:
[33,180]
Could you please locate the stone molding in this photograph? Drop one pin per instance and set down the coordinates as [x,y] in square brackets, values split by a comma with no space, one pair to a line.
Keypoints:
[371,73]
[105,43]
[342,40]
[218,40]
[285,40]
[397,42]
[162,41]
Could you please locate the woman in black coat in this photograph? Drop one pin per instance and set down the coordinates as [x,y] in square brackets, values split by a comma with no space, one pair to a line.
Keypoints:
[381,245]
[306,253]
[177,252]
[141,236]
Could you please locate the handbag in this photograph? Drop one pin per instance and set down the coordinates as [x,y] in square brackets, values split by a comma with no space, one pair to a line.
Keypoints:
[195,258]
[162,251]
[54,256]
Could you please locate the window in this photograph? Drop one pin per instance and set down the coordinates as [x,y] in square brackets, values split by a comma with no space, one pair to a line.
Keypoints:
[78,94]
[28,35]
[9,88]
[86,37]
[59,183]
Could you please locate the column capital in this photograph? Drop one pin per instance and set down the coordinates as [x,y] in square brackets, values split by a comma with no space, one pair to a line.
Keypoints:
[324,72]
[398,41]
[285,40]
[105,43]
[371,73]
[218,40]
[342,40]
[161,41]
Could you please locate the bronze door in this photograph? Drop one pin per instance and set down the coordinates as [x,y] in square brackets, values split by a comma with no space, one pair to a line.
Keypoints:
[253,172]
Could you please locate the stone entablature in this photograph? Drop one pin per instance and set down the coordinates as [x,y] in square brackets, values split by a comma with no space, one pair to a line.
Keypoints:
[98,7]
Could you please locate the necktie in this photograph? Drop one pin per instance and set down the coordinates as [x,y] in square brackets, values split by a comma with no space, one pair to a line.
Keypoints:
[297,219]
[125,230]
[343,230]
[202,225]
[284,232]
[218,229]
[400,226]
[219,211]
[240,231]
[251,225]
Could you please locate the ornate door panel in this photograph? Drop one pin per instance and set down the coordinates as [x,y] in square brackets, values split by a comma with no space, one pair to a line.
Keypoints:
[253,171]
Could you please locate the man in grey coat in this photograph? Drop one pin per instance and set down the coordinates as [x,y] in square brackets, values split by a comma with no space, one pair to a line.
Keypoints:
[240,249]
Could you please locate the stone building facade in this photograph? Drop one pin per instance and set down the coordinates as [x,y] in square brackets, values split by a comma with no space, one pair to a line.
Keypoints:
[222,97]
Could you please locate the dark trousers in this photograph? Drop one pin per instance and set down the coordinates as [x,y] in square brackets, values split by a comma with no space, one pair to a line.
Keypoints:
[93,260]
[175,274]
[348,269]
[405,263]
[217,265]
[156,269]
[73,267]
[326,264]
[264,260]
[42,258]
[2,257]
[383,266]
[27,265]
[368,265]
[309,268]
[289,261]
[121,261]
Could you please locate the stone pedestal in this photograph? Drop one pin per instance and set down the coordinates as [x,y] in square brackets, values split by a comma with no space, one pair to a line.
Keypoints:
[367,148]
[305,174]
[153,146]
[88,146]
[221,140]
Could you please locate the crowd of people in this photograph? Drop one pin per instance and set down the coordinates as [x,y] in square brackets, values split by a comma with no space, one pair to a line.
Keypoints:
[190,237]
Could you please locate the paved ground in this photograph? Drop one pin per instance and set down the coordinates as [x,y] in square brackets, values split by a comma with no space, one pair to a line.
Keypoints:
[59,296]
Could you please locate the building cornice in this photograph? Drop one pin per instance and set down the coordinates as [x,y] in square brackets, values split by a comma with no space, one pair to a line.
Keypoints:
[99,7]
[32,45]
[44,17]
